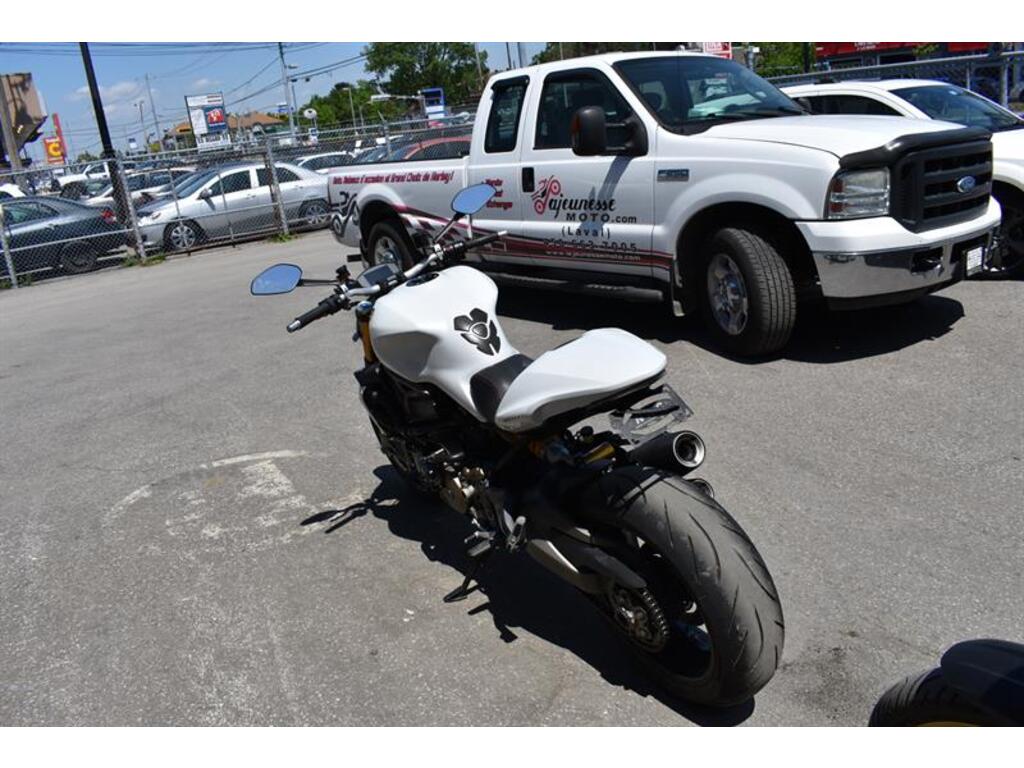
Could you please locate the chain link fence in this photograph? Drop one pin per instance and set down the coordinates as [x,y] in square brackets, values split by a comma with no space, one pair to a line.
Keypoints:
[999,78]
[69,219]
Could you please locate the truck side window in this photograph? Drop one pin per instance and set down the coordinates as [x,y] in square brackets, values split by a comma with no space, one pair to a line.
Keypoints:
[503,121]
[563,95]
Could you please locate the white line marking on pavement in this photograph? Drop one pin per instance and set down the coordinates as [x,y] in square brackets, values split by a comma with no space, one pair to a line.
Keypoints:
[256,457]
[137,495]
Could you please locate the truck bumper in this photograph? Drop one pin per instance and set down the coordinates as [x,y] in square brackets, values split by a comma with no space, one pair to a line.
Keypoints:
[867,258]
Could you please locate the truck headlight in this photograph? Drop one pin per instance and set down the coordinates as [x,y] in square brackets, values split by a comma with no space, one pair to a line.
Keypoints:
[858,194]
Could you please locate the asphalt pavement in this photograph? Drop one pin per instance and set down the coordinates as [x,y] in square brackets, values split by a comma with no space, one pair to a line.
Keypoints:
[197,526]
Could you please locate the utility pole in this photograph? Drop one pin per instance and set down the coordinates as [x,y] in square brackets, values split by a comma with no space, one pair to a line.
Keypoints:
[117,187]
[508,54]
[10,142]
[479,66]
[287,91]
[152,108]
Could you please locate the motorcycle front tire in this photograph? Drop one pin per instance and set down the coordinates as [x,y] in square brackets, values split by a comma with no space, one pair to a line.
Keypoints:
[927,699]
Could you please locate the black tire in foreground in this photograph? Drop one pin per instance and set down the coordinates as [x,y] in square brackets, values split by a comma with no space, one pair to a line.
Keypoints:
[927,699]
[703,571]
[388,239]
[749,301]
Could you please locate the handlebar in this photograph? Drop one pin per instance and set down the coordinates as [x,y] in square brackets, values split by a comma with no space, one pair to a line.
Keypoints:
[343,298]
[328,306]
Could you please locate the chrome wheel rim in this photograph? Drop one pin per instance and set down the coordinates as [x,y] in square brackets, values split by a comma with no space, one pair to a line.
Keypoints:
[182,237]
[386,251]
[317,214]
[727,294]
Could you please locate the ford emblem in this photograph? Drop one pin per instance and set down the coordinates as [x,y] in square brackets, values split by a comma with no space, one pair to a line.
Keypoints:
[966,184]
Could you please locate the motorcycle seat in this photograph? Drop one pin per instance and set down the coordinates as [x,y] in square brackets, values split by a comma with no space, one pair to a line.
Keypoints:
[596,366]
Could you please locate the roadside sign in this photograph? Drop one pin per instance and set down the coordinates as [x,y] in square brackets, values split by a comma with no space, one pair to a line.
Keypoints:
[209,120]
[722,50]
[54,150]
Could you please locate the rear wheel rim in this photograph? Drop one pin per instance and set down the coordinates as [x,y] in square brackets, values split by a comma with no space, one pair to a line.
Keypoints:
[727,294]
[79,260]
[182,237]
[316,214]
[671,630]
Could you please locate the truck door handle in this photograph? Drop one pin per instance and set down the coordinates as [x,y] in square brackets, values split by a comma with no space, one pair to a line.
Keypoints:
[527,179]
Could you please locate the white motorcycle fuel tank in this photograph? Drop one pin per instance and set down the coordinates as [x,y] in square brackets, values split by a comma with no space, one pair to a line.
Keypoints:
[441,328]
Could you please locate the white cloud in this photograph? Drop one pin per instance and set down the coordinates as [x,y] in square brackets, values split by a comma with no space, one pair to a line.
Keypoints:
[118,92]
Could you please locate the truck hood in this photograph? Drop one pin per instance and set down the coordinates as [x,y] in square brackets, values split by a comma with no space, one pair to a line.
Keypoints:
[837,134]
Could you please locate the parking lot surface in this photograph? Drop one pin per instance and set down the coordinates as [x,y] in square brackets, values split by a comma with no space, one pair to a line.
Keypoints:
[198,527]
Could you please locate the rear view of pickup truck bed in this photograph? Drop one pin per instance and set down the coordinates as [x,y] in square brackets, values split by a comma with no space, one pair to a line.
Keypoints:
[690,180]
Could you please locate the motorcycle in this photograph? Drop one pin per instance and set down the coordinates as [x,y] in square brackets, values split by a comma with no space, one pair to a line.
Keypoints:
[463,416]
[977,682]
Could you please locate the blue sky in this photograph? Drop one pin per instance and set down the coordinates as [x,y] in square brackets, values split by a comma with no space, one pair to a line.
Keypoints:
[60,78]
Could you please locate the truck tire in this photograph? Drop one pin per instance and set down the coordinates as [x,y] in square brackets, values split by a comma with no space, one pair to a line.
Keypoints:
[749,301]
[927,699]
[389,237]
[717,566]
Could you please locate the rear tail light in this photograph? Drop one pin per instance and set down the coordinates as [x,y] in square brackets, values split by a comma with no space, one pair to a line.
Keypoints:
[108,216]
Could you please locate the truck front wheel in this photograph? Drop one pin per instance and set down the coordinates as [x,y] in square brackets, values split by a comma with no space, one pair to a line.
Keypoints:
[388,242]
[749,299]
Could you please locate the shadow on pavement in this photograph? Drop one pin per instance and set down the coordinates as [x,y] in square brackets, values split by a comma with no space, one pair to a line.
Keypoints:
[820,336]
[520,594]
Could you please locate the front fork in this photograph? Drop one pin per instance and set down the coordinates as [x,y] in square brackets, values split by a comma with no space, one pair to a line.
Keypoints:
[364,311]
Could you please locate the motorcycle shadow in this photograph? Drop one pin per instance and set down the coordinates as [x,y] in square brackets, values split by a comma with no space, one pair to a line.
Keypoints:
[820,336]
[520,594]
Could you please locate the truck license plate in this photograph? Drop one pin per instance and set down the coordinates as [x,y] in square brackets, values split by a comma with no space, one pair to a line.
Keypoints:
[975,259]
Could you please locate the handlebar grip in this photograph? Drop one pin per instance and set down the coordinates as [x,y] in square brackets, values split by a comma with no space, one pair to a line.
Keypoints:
[328,306]
[458,250]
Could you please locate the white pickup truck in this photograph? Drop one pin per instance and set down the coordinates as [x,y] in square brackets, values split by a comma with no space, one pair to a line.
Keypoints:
[689,179]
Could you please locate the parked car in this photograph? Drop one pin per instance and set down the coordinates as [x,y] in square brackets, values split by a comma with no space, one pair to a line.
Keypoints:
[614,177]
[232,200]
[54,233]
[74,186]
[8,191]
[142,185]
[323,162]
[935,100]
[436,148]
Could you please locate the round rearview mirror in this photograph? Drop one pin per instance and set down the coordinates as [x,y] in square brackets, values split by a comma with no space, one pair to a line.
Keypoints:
[280,278]
[472,199]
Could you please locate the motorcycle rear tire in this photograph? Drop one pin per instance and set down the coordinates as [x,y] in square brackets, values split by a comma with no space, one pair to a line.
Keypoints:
[719,567]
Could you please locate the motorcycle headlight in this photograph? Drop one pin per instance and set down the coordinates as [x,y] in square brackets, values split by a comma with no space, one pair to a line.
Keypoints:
[858,194]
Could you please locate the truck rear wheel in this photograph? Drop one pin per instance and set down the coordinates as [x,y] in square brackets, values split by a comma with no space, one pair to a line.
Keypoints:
[749,298]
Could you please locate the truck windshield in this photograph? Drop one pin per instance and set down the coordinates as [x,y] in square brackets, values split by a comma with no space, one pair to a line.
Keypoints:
[948,102]
[691,93]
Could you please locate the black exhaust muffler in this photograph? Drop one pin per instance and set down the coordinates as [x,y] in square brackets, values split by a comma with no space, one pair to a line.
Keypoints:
[680,452]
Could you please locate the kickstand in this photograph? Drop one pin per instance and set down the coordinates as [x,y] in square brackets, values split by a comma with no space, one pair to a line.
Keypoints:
[478,554]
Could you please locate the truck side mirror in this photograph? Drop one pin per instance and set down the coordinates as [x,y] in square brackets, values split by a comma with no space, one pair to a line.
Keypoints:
[588,131]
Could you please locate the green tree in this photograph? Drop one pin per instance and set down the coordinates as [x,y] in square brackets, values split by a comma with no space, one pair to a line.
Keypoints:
[780,58]
[403,69]
[86,157]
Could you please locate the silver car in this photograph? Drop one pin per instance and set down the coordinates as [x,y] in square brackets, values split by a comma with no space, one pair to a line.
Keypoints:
[232,201]
[142,185]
